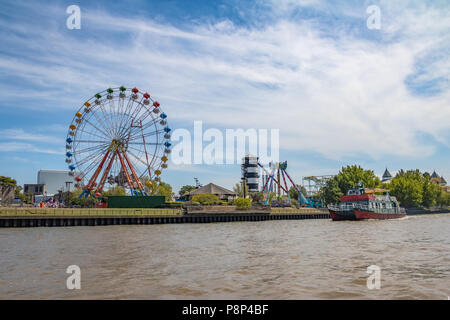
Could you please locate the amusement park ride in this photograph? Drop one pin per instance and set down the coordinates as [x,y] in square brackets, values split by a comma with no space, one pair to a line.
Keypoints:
[119,136]
[273,183]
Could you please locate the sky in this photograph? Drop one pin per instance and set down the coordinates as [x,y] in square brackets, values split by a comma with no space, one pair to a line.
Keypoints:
[339,92]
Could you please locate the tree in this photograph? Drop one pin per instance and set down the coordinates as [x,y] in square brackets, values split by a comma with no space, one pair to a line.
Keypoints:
[162,189]
[186,189]
[293,193]
[443,199]
[18,190]
[412,188]
[206,199]
[115,191]
[242,203]
[431,192]
[24,197]
[331,192]
[7,182]
[349,177]
[407,188]
[257,196]
[82,202]
[155,188]
[238,189]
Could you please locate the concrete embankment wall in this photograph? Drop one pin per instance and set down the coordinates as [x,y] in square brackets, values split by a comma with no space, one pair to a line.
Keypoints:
[36,217]
[414,211]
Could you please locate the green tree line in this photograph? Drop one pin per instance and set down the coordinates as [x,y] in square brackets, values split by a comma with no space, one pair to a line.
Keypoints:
[411,188]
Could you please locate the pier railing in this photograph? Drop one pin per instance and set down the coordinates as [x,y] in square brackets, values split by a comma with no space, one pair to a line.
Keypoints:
[5,211]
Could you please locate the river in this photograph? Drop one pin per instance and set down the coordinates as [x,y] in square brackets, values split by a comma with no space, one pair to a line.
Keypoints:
[284,259]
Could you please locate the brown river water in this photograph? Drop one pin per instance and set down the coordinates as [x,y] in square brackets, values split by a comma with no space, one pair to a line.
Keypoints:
[288,259]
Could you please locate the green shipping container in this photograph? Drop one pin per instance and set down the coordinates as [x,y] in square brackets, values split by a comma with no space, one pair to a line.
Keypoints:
[136,202]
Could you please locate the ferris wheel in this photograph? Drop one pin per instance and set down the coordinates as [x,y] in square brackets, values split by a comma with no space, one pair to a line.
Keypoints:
[118,137]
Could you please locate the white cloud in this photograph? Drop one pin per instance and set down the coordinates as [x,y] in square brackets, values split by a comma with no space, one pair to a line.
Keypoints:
[336,96]
[20,134]
[25,147]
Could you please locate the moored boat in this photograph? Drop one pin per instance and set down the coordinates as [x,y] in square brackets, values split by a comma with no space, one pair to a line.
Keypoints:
[361,203]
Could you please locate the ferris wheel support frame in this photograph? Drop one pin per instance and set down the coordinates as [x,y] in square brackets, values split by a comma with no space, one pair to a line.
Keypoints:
[140,190]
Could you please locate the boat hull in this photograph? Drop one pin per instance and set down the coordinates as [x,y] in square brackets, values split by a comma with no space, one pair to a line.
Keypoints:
[342,215]
[362,214]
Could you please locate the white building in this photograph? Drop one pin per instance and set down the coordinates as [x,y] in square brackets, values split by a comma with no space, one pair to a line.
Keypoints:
[56,180]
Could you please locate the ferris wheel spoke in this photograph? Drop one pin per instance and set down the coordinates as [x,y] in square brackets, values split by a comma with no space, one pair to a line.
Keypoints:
[153,133]
[122,114]
[129,116]
[98,129]
[102,123]
[93,141]
[105,115]
[145,115]
[115,114]
[150,163]
[138,135]
[92,166]
[126,115]
[89,133]
[137,158]
[89,157]
[93,153]
[136,111]
[93,148]
[147,143]
[95,163]
[144,126]
[150,123]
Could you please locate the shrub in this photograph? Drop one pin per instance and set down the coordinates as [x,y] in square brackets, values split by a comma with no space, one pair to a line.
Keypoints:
[242,203]
[206,199]
[294,203]
[174,204]
[257,197]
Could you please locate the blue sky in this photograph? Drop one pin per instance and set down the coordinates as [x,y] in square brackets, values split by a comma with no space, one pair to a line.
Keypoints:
[339,93]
